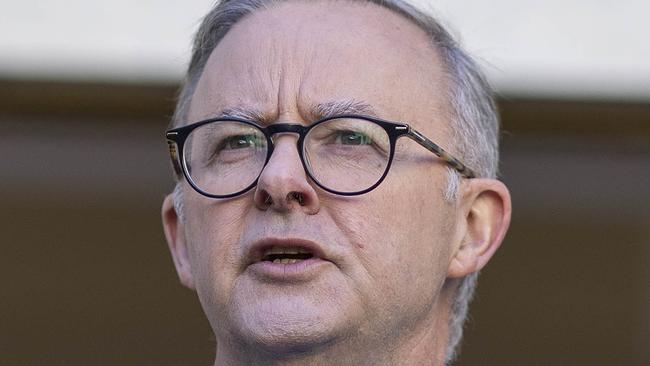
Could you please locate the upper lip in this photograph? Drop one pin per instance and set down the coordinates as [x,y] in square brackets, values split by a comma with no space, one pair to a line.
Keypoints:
[256,251]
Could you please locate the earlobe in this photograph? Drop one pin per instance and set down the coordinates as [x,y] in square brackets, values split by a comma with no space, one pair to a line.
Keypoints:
[174,233]
[485,213]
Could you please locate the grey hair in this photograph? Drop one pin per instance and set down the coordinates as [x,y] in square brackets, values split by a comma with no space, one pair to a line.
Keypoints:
[177,198]
[474,122]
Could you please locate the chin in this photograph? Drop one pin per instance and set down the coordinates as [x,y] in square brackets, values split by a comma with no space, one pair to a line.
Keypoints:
[289,327]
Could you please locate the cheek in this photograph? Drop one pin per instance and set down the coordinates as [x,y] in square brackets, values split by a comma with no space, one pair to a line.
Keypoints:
[213,235]
[401,235]
[410,202]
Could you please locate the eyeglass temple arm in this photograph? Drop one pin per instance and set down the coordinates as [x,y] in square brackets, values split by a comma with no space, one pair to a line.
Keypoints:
[441,153]
[173,155]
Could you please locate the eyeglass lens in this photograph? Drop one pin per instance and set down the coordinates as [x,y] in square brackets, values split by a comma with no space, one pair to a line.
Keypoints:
[343,154]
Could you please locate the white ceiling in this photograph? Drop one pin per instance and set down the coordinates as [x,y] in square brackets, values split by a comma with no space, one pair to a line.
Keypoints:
[559,48]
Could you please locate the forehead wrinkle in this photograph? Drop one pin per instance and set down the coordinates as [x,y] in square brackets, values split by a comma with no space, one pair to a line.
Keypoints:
[296,65]
[247,61]
[302,96]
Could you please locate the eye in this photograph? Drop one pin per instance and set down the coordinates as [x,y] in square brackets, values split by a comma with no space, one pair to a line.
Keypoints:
[348,136]
[240,142]
[235,147]
[352,138]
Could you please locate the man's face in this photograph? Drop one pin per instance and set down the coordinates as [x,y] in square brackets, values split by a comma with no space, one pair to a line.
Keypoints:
[384,255]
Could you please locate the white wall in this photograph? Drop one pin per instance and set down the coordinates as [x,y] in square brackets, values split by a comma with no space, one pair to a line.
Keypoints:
[572,48]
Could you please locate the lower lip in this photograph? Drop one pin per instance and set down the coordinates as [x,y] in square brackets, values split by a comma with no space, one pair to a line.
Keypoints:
[299,271]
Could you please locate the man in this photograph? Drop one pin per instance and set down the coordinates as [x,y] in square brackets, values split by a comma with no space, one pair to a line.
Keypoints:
[336,193]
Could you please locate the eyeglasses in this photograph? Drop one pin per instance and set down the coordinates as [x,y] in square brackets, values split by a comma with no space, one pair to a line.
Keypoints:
[345,155]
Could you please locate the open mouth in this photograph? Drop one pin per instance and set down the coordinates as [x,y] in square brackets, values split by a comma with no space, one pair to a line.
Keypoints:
[286,255]
[287,260]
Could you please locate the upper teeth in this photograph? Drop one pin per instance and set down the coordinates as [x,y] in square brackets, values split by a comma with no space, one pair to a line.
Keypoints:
[286,250]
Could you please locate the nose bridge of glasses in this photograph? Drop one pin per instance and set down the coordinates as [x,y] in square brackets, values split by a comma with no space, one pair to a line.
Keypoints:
[278,130]
[286,128]
[285,160]
[275,131]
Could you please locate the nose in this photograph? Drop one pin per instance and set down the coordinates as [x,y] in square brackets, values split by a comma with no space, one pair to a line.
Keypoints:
[283,185]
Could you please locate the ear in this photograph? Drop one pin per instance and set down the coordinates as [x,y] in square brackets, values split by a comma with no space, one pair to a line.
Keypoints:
[484,213]
[175,234]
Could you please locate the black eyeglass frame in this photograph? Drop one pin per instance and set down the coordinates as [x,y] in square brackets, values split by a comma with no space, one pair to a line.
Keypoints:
[176,138]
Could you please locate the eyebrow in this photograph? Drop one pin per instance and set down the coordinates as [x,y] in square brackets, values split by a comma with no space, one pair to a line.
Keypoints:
[340,107]
[243,113]
[317,111]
